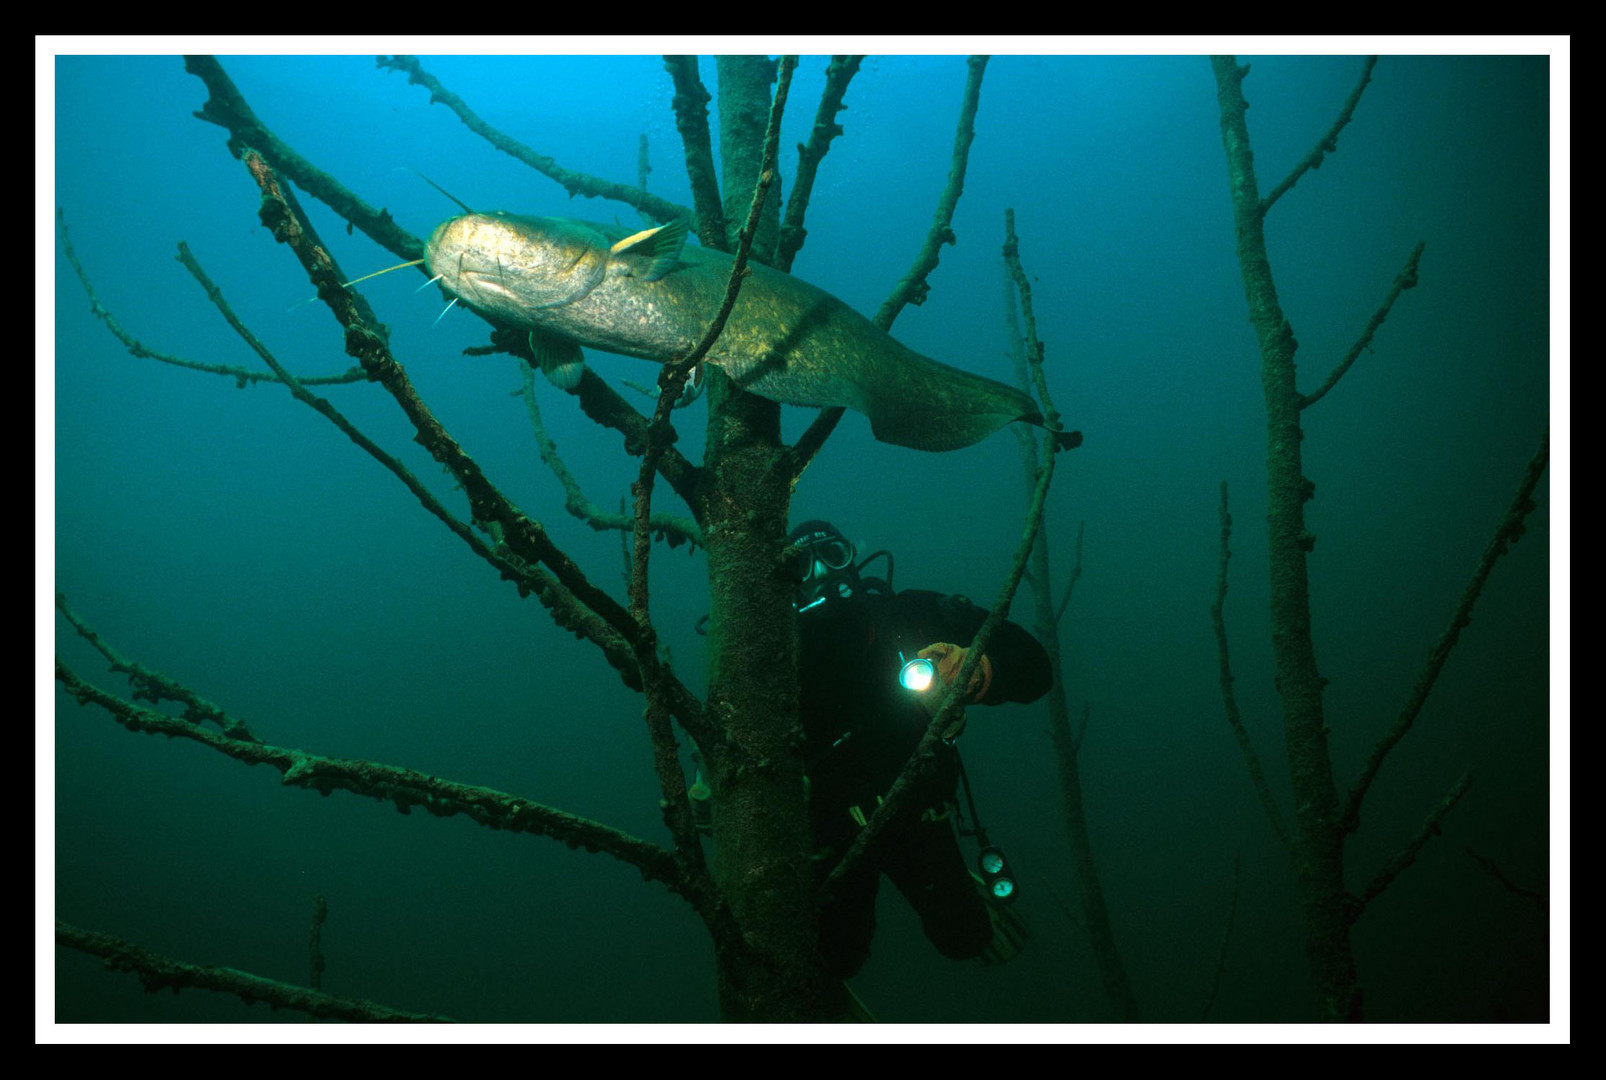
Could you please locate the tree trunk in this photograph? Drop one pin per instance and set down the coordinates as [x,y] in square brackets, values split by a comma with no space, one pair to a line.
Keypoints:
[1319,841]
[761,825]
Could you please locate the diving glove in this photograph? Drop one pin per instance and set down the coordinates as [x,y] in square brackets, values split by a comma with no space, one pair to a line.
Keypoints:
[950,658]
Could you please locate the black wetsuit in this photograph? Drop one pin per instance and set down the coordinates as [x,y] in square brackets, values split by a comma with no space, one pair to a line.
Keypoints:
[861,727]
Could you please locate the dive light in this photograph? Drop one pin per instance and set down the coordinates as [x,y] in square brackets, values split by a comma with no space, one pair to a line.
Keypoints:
[996,875]
[917,674]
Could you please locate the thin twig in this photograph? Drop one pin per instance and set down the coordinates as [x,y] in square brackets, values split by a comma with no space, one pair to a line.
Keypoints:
[607,408]
[1509,531]
[1226,938]
[902,796]
[1229,698]
[672,529]
[913,289]
[838,74]
[575,183]
[1407,855]
[403,787]
[242,376]
[1492,868]
[1328,143]
[1071,578]
[159,972]
[154,687]
[1405,279]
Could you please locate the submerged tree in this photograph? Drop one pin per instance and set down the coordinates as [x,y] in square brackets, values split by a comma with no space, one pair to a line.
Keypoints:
[1323,818]
[756,899]
[752,897]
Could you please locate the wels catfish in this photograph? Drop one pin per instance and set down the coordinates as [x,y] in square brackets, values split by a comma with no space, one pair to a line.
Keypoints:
[577,283]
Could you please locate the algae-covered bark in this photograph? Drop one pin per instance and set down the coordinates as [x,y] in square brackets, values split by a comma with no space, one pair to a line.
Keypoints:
[761,829]
[744,105]
[1319,863]
[760,822]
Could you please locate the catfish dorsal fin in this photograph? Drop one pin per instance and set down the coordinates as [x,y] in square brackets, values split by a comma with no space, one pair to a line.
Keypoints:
[662,245]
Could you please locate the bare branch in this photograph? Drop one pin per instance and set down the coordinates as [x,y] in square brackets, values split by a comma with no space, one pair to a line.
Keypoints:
[1226,938]
[574,183]
[1257,776]
[1508,532]
[838,74]
[670,528]
[913,288]
[228,109]
[403,787]
[1329,142]
[1405,279]
[159,972]
[1070,581]
[1407,855]
[1033,347]
[242,377]
[1492,868]
[154,687]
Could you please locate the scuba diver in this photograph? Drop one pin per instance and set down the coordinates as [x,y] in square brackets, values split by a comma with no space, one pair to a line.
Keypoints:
[863,715]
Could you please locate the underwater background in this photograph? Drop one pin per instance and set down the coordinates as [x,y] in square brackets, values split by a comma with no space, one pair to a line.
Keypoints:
[237,542]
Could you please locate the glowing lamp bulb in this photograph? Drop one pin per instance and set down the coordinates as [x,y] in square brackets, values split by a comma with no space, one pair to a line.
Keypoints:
[917,675]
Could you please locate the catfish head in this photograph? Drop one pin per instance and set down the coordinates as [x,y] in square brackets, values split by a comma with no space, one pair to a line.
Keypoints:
[509,265]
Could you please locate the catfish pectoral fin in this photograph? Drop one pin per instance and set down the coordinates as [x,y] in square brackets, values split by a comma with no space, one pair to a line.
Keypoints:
[559,359]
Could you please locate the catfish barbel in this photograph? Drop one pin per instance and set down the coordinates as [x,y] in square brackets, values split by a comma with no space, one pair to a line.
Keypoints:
[575,283]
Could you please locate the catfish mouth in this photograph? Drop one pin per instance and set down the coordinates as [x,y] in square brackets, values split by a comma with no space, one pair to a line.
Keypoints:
[483,285]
